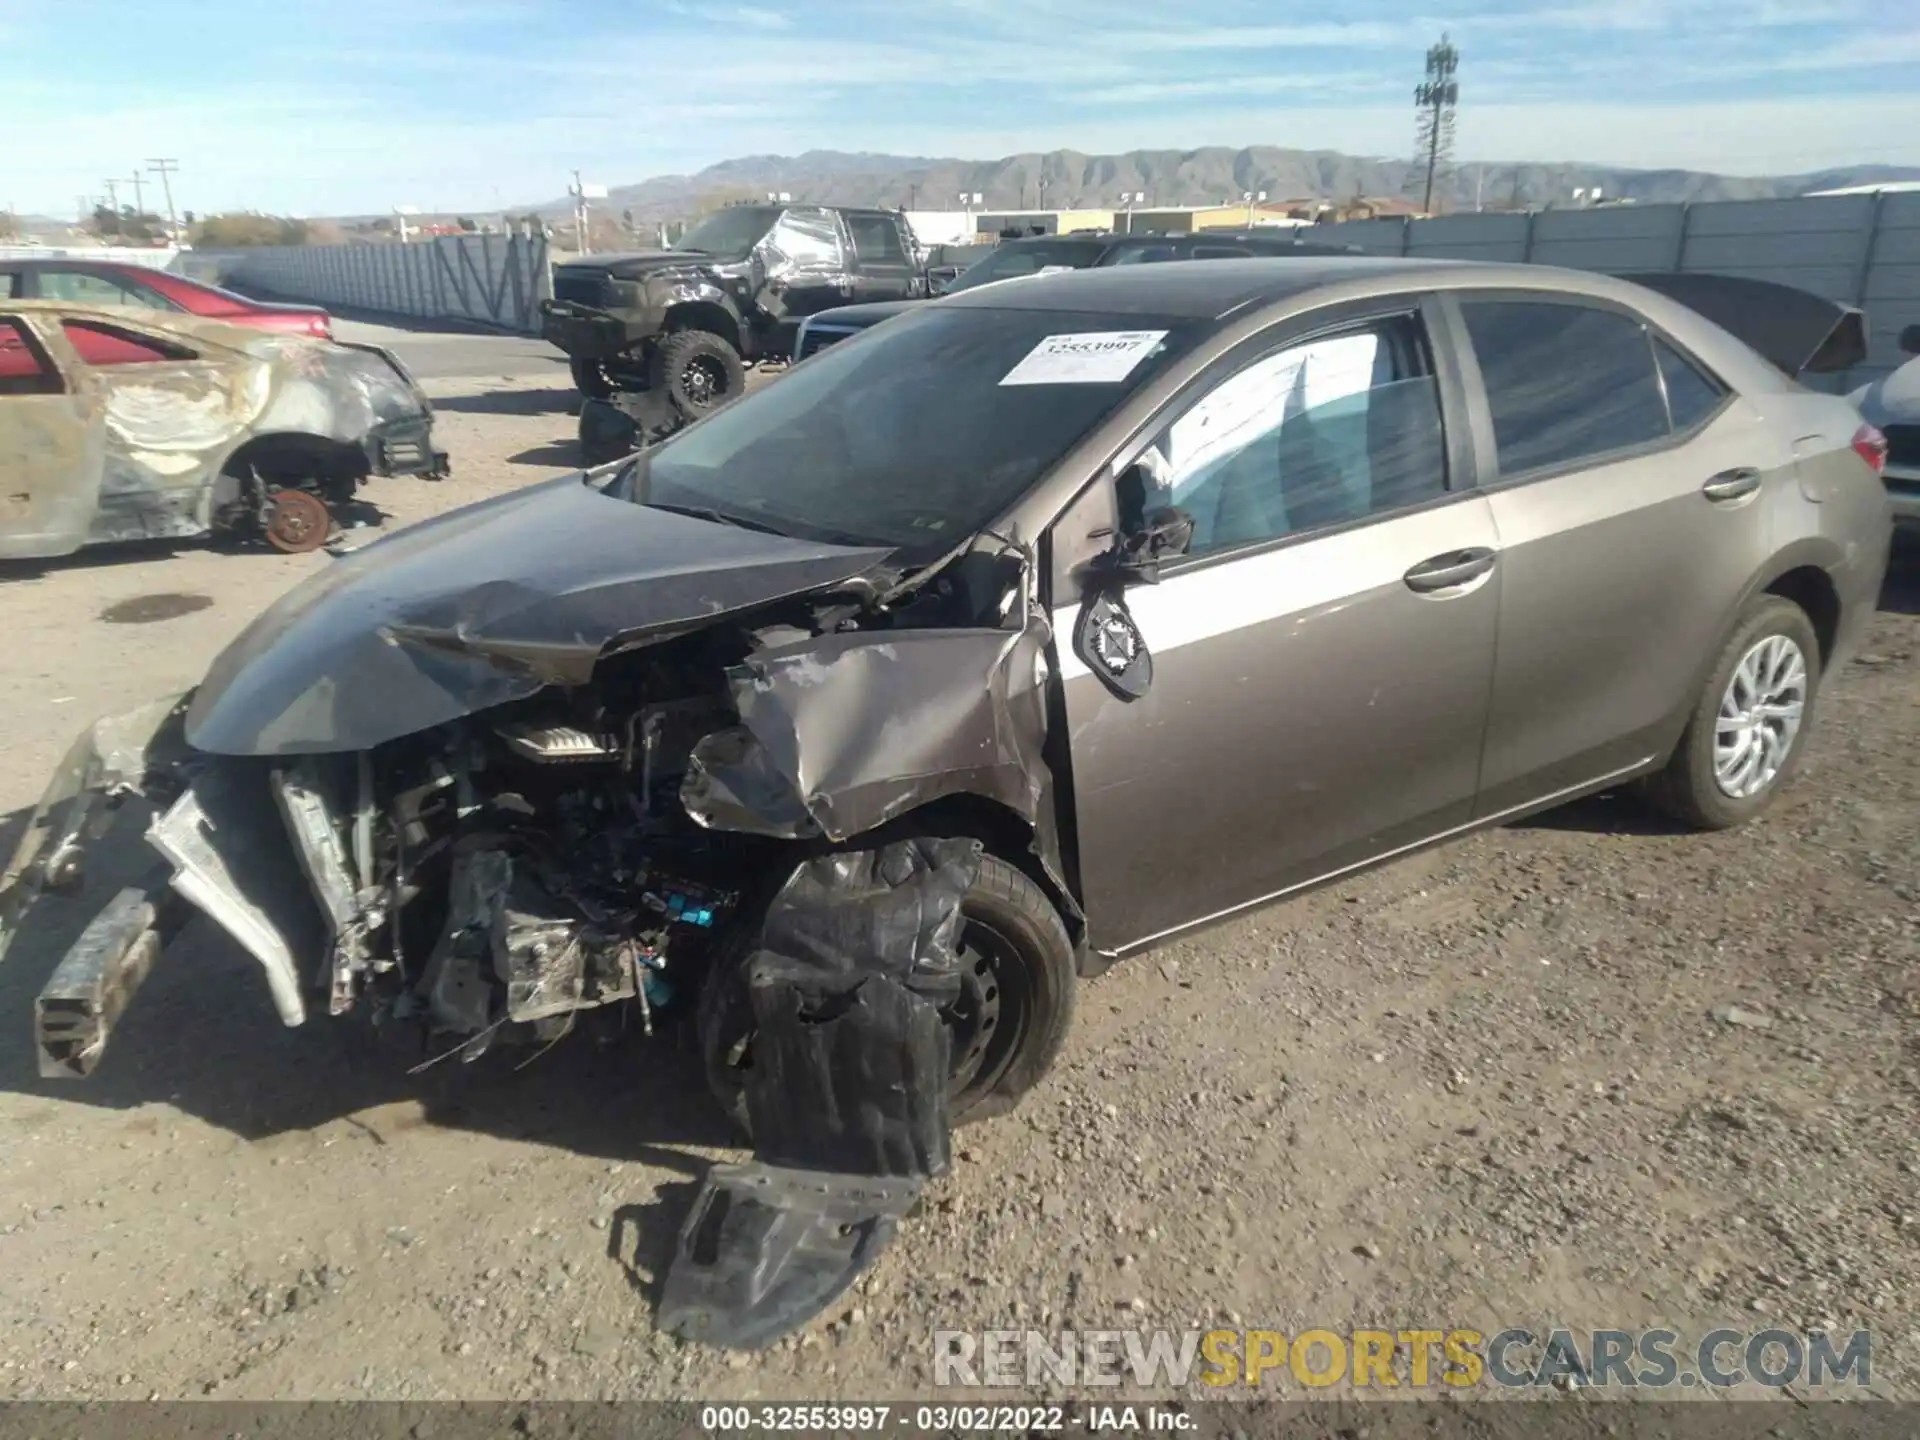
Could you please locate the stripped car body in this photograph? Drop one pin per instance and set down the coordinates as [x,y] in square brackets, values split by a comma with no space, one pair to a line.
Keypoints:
[179,427]
[864,722]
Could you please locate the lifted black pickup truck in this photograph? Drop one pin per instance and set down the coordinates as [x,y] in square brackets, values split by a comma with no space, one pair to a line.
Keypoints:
[733,291]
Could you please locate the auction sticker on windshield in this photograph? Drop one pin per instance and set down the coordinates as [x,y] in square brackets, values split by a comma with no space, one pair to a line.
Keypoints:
[1093,357]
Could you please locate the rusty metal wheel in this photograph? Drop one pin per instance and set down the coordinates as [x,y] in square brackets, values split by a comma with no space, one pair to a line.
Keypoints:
[297,521]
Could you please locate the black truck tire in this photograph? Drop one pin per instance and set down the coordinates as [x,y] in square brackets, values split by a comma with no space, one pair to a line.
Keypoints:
[699,370]
[590,378]
[1012,943]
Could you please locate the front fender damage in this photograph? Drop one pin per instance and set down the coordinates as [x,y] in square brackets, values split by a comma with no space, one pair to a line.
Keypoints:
[843,972]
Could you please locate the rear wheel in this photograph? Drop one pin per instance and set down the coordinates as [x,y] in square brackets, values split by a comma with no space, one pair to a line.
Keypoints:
[1006,1027]
[1751,722]
[699,369]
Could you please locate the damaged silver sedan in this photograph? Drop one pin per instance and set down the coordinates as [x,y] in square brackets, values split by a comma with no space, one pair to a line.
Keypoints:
[121,424]
[1016,635]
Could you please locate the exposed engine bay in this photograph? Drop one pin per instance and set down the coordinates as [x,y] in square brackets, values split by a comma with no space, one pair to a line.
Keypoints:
[673,826]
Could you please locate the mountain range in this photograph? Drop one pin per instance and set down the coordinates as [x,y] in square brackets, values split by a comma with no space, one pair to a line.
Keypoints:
[1064,179]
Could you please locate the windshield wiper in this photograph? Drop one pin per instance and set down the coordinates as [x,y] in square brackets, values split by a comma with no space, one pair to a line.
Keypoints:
[719,517]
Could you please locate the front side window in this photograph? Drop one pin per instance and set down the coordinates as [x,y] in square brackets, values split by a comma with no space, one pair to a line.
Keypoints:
[1329,431]
[805,238]
[1566,383]
[76,287]
[915,434]
[110,345]
[24,366]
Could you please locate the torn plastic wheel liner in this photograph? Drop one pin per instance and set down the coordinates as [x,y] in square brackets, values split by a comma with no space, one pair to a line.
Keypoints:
[846,1091]
[765,1249]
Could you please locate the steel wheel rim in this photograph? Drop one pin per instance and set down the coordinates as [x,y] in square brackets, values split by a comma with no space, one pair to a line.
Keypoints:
[986,1022]
[1761,712]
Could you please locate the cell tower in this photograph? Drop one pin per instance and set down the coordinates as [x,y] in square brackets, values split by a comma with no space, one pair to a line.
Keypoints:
[1436,97]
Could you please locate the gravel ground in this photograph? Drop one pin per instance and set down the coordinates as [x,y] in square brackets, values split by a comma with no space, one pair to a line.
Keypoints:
[1494,1085]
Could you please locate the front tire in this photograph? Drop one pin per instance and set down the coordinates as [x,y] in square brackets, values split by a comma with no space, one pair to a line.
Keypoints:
[699,370]
[1016,1005]
[1750,726]
[590,378]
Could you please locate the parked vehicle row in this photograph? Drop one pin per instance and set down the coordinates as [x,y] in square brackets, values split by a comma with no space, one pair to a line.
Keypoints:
[1020,634]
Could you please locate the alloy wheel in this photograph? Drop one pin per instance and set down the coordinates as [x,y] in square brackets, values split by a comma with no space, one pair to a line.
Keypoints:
[1760,716]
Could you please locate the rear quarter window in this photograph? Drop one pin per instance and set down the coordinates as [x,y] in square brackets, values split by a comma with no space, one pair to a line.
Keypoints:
[105,345]
[1692,394]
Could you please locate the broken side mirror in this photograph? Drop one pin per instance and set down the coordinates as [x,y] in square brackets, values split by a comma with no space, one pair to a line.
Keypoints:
[1107,638]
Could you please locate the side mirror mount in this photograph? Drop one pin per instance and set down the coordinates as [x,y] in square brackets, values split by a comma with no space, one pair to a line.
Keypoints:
[1163,534]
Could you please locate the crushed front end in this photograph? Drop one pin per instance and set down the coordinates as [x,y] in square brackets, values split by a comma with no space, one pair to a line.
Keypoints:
[507,811]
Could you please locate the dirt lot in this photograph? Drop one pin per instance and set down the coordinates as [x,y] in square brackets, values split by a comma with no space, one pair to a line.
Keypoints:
[1481,1088]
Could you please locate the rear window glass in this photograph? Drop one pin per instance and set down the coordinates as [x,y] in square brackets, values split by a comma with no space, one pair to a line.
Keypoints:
[1565,383]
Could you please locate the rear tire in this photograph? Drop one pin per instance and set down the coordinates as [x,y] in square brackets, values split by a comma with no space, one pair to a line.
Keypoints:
[1738,749]
[699,370]
[1012,945]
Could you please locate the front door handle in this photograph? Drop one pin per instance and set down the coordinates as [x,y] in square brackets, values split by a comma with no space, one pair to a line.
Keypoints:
[1445,572]
[1732,484]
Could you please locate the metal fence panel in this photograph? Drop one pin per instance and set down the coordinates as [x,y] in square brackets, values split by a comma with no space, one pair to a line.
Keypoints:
[1860,249]
[491,279]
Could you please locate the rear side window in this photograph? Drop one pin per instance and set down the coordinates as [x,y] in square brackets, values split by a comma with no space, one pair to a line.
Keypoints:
[24,366]
[876,239]
[99,344]
[1692,395]
[1566,383]
[76,287]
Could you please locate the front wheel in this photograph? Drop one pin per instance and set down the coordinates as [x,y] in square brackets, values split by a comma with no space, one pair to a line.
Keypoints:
[1017,987]
[699,370]
[1751,722]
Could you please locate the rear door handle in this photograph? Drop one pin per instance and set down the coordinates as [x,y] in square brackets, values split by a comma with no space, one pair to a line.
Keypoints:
[1732,484]
[1444,572]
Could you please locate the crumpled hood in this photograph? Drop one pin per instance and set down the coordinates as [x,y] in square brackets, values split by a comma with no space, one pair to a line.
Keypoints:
[482,606]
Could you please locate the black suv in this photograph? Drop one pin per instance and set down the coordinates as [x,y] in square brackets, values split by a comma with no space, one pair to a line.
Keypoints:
[732,291]
[1079,251]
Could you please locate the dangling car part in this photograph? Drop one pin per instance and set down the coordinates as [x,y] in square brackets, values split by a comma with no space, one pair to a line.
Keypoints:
[138,425]
[851,724]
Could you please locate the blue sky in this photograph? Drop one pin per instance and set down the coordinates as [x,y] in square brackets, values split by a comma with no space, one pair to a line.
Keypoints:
[331,106]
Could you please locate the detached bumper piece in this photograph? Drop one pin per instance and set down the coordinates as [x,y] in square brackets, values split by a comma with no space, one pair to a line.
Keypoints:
[406,448]
[90,990]
[847,1092]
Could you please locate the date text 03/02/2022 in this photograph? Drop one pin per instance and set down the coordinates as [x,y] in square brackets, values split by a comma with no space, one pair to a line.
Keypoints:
[934,1419]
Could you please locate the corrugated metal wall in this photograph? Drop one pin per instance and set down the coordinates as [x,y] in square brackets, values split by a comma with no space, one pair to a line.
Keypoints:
[492,279]
[1860,249]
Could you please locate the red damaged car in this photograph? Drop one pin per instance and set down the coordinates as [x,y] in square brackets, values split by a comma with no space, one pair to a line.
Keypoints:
[105,282]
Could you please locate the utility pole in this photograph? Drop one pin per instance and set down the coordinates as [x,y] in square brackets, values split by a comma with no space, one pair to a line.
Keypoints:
[139,200]
[165,169]
[113,195]
[1436,97]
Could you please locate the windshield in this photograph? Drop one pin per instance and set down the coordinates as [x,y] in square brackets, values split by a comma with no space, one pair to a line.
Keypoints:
[732,231]
[915,434]
[1029,259]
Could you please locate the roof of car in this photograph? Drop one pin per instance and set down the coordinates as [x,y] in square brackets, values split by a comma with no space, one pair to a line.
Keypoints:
[1192,289]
